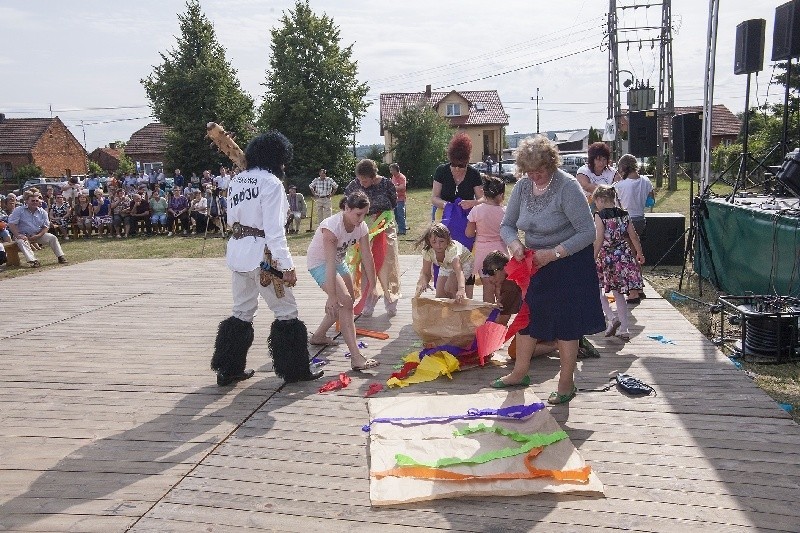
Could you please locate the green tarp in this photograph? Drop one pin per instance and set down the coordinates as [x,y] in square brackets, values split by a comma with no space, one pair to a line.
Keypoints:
[744,249]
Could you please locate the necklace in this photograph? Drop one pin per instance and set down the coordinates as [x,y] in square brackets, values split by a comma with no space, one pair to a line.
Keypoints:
[542,189]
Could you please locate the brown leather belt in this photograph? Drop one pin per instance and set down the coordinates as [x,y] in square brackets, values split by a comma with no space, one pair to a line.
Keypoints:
[240,231]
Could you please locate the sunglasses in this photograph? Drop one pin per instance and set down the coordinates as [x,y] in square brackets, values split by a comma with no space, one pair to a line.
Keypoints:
[491,271]
[454,165]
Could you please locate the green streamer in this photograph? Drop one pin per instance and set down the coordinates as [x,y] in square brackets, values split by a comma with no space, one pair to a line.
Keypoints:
[529,441]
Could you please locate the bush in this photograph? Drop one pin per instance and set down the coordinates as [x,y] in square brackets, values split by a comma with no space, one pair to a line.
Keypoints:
[25,172]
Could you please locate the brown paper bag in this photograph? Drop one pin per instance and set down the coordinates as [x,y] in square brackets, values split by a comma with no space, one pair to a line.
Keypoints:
[440,321]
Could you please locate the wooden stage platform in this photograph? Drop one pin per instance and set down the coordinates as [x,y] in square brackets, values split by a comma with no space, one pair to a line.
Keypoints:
[110,420]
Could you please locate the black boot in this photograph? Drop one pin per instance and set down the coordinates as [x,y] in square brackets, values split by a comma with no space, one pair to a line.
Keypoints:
[234,338]
[288,346]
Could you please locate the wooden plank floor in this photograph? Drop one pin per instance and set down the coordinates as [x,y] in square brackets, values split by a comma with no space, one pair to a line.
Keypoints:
[110,420]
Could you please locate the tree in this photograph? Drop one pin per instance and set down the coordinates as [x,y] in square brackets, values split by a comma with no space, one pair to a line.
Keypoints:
[312,94]
[95,168]
[594,135]
[194,85]
[126,166]
[26,171]
[421,136]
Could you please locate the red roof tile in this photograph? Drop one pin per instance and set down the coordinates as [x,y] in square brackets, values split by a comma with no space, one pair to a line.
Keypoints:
[152,139]
[20,135]
[723,121]
[492,112]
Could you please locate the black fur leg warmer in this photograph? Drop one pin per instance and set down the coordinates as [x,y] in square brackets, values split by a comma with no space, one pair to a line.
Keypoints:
[288,346]
[234,338]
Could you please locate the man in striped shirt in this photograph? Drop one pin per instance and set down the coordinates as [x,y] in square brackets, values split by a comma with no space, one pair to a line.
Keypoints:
[323,188]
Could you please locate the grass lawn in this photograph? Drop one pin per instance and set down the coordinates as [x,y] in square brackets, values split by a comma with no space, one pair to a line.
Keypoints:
[781,382]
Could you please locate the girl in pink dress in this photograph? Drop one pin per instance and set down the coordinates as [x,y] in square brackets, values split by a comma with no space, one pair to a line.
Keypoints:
[484,224]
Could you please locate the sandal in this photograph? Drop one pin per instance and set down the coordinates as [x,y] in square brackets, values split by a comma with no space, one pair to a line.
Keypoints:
[624,337]
[368,363]
[557,399]
[327,342]
[500,384]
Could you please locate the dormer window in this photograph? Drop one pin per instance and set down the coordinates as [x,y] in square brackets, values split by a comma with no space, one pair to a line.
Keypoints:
[480,107]
[453,110]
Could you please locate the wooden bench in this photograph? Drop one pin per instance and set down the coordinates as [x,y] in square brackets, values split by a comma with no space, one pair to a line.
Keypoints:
[12,252]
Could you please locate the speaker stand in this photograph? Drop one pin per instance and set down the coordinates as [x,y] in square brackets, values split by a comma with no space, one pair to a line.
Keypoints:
[691,234]
[742,176]
[785,137]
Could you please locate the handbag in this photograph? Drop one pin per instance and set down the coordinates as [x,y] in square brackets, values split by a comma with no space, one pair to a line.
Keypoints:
[627,384]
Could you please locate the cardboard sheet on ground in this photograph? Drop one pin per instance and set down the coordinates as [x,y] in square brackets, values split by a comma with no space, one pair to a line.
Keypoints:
[429,442]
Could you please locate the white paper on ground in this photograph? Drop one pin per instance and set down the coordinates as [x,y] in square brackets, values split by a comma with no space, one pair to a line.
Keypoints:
[432,441]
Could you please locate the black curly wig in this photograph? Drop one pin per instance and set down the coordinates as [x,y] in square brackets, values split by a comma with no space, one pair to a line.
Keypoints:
[269,151]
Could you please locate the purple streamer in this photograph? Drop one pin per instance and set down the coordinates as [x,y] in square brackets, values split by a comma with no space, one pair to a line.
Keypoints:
[513,412]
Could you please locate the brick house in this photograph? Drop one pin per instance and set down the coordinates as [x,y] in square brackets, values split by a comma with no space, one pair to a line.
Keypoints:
[45,142]
[147,146]
[107,158]
[478,113]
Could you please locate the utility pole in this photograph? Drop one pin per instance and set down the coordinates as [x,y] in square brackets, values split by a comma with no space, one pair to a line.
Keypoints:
[666,99]
[614,107]
[537,109]
[652,35]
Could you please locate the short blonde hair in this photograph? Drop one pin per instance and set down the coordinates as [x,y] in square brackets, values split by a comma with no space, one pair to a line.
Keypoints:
[537,153]
[30,193]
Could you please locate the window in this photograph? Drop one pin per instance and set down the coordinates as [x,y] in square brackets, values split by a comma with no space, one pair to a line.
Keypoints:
[453,110]
[480,107]
[153,168]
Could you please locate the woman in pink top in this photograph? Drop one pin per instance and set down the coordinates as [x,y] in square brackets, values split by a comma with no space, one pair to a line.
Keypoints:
[484,224]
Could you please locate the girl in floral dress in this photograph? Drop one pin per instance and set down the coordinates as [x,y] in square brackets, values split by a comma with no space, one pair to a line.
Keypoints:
[617,267]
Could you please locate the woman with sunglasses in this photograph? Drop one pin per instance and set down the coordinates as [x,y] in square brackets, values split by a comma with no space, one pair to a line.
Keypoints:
[456,179]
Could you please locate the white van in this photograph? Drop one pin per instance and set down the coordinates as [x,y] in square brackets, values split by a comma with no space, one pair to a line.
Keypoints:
[572,162]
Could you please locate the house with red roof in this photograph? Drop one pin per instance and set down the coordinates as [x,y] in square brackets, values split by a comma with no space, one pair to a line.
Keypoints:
[147,147]
[480,114]
[45,142]
[106,157]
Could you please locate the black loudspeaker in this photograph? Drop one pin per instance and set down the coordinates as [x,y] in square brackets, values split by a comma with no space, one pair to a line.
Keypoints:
[786,35]
[643,133]
[687,132]
[662,231]
[789,174]
[749,55]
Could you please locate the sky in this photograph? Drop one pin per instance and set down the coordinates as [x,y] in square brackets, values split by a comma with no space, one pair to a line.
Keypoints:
[82,60]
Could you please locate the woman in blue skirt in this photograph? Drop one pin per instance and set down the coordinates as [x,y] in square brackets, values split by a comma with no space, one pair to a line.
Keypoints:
[548,206]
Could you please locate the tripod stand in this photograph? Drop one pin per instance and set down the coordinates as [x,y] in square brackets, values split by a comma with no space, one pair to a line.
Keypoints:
[742,176]
[214,197]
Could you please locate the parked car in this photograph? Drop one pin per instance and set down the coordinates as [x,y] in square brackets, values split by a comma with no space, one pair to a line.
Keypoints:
[480,166]
[508,170]
[570,163]
[39,183]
